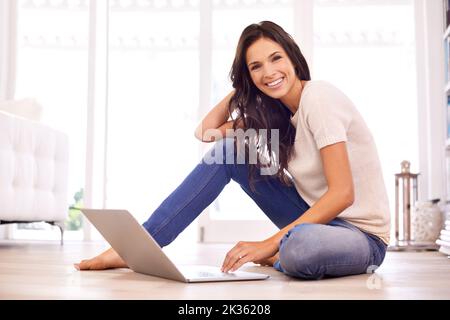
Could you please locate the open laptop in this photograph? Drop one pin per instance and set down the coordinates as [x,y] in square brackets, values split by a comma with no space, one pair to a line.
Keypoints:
[143,254]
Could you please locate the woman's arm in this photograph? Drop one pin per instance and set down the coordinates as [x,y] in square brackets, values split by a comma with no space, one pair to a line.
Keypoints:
[339,196]
[215,124]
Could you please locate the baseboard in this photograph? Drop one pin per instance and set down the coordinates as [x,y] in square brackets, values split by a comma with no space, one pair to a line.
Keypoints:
[6,232]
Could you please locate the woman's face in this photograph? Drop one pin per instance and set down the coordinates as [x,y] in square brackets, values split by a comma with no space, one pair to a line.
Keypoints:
[270,68]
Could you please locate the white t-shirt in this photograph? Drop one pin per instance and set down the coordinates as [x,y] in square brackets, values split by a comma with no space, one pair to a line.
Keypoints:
[327,116]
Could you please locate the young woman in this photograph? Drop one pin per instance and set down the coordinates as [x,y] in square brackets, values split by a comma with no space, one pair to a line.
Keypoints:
[327,195]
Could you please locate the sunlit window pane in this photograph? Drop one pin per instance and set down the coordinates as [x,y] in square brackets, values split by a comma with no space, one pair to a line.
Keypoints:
[369,52]
[233,203]
[52,68]
[153,102]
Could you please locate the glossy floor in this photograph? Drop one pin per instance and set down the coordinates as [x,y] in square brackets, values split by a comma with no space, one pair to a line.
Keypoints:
[44,270]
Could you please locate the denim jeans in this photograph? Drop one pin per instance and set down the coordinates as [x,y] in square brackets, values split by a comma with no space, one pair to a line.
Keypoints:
[307,251]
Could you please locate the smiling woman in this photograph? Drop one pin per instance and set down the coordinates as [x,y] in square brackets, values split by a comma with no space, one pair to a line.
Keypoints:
[268,61]
[332,222]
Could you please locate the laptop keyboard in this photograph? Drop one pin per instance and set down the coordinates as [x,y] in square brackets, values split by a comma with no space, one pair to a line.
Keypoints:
[206,274]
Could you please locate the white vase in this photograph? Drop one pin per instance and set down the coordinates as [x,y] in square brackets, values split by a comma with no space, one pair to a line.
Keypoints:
[426,222]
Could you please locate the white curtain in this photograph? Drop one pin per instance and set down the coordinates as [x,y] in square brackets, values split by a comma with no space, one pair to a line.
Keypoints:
[8,21]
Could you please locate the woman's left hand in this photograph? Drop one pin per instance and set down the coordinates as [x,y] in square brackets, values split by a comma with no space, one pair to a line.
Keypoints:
[244,252]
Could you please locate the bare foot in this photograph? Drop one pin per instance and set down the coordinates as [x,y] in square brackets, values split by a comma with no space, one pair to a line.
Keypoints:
[107,260]
[269,261]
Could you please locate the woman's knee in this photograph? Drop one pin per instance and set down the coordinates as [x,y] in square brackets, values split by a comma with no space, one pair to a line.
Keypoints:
[301,253]
[313,251]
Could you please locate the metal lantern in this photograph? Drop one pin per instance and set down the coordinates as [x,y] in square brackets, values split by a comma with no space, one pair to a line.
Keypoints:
[412,218]
[406,196]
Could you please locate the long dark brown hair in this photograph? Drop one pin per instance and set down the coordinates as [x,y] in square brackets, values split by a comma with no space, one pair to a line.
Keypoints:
[256,110]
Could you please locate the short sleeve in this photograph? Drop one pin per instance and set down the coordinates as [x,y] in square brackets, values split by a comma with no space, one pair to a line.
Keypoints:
[328,114]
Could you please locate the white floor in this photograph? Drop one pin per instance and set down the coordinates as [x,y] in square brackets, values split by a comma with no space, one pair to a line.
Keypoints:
[43,270]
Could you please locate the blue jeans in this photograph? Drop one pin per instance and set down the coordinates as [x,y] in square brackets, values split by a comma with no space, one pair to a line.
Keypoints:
[308,251]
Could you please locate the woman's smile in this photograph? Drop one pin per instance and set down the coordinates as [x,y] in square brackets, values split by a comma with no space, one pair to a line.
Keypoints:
[276,83]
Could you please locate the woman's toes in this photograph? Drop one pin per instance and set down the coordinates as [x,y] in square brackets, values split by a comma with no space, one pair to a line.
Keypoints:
[107,260]
[85,265]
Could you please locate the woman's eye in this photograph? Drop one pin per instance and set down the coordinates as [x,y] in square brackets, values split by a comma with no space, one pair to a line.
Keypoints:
[276,58]
[254,67]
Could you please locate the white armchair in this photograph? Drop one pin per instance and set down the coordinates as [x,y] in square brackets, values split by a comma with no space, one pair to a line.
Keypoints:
[33,172]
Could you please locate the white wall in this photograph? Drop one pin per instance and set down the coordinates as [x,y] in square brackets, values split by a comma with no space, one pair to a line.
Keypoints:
[431,100]
[7,65]
[8,11]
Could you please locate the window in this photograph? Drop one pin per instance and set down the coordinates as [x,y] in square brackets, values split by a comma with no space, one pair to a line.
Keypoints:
[152,101]
[367,48]
[52,67]
[234,209]
[160,55]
